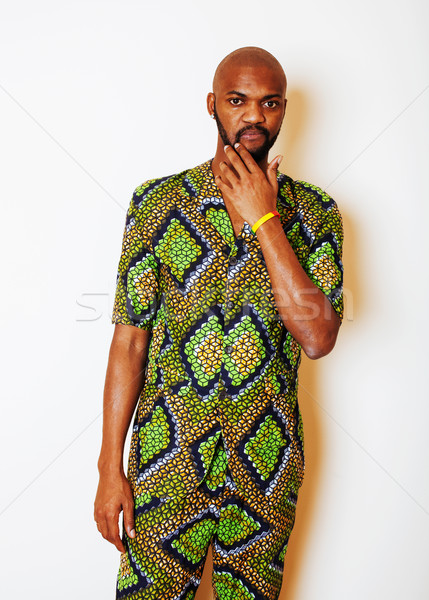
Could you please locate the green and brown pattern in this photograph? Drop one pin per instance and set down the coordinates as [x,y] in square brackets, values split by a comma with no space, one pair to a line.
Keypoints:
[220,391]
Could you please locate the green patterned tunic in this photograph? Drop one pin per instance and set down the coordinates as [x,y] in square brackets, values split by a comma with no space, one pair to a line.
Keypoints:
[221,367]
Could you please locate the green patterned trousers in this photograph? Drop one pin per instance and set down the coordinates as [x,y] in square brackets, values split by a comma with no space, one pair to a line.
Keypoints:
[165,560]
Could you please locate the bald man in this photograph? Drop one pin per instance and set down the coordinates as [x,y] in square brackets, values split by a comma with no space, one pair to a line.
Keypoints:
[227,271]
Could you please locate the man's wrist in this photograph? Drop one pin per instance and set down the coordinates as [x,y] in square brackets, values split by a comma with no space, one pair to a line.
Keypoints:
[268,229]
[110,465]
[269,215]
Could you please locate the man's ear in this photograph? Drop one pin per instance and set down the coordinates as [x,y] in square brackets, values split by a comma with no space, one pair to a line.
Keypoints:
[210,103]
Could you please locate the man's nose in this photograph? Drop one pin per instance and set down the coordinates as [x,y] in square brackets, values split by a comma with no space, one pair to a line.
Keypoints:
[254,113]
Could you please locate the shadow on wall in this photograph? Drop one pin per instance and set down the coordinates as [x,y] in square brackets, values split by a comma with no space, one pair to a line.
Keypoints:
[290,145]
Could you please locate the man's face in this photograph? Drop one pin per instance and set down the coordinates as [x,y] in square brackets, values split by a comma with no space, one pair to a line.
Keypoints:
[249,107]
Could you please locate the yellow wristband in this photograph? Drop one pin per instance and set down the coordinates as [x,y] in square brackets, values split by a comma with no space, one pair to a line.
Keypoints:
[263,219]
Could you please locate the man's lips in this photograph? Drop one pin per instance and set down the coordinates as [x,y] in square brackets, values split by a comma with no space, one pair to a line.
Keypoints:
[251,134]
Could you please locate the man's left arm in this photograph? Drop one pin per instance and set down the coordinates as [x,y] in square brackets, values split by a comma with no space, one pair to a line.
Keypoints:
[303,307]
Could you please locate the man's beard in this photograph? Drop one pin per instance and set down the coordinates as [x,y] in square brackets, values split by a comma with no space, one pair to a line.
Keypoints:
[258,154]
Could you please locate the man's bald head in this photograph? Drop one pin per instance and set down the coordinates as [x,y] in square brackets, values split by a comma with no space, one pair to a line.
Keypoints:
[249,56]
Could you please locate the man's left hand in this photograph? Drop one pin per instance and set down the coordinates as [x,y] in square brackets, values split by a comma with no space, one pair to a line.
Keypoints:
[244,184]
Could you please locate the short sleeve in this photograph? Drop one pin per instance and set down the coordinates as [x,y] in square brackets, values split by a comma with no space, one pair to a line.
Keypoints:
[324,263]
[137,280]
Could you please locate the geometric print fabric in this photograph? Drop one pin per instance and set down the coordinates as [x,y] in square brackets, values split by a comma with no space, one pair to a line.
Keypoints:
[221,369]
[220,360]
[166,558]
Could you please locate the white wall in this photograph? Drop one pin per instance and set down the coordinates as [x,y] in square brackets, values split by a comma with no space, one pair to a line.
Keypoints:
[97,96]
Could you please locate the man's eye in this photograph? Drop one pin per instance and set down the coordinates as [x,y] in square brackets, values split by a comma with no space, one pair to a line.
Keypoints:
[271,103]
[235,101]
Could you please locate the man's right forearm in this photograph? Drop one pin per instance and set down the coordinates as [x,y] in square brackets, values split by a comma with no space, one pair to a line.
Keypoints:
[124,382]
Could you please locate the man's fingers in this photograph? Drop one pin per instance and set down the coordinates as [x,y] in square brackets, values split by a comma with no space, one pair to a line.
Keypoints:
[274,164]
[102,526]
[272,169]
[220,184]
[129,518]
[114,495]
[113,531]
[236,161]
[228,176]
[246,157]
[110,533]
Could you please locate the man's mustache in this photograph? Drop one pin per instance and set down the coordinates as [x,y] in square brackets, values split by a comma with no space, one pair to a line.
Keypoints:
[252,128]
